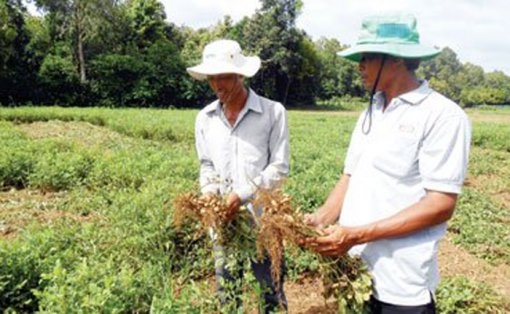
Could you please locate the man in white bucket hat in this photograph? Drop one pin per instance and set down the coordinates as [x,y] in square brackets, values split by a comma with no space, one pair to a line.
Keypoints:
[404,169]
[242,143]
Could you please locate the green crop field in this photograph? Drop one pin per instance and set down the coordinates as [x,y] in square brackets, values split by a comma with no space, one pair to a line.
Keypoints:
[86,212]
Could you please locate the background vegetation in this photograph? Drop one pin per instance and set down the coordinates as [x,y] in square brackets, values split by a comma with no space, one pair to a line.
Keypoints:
[123,53]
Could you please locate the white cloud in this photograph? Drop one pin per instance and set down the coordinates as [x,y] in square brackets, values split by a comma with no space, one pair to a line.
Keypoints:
[474,29]
[203,13]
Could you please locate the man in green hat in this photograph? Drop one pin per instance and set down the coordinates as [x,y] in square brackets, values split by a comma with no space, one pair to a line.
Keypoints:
[404,169]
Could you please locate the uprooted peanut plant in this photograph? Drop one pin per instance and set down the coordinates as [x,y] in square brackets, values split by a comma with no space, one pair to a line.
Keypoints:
[345,278]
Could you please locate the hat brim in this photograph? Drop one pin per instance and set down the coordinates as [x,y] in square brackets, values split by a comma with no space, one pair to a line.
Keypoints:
[248,68]
[405,51]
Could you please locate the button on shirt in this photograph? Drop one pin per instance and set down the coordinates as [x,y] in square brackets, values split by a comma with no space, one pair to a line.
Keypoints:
[253,153]
[420,142]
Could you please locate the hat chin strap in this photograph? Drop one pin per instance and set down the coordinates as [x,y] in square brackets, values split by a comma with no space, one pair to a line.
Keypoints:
[374,88]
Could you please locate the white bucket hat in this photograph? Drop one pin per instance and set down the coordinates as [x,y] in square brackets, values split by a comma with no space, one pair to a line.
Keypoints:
[224,56]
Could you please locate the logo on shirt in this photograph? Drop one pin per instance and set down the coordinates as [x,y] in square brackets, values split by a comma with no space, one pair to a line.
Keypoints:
[406,128]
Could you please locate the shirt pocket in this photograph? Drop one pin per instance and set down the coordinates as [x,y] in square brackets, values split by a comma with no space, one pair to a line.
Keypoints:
[397,156]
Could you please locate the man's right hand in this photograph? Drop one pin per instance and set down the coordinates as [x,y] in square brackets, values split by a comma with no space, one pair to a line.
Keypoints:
[313,220]
[233,204]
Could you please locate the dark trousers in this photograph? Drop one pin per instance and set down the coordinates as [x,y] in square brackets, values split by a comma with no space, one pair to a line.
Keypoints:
[378,307]
[229,288]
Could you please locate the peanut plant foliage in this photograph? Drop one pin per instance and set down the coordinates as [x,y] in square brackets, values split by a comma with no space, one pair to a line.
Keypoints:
[99,234]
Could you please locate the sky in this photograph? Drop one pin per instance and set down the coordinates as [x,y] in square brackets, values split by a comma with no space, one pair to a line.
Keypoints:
[474,29]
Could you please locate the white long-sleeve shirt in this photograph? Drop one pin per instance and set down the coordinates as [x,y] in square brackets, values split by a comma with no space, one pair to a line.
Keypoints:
[252,153]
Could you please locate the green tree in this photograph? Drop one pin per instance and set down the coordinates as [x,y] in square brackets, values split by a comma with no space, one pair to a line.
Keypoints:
[193,91]
[149,79]
[442,67]
[166,71]
[120,80]
[8,30]
[498,80]
[441,70]
[482,96]
[272,35]
[16,71]
[469,81]
[147,22]
[470,75]
[306,84]
[38,48]
[79,22]
[339,77]
[59,80]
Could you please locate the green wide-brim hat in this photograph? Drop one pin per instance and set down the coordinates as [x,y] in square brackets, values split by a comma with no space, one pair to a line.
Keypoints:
[394,35]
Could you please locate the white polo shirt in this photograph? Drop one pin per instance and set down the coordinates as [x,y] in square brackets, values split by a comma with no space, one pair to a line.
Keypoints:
[252,153]
[420,142]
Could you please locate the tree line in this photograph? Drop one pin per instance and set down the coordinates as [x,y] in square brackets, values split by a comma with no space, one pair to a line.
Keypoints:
[118,53]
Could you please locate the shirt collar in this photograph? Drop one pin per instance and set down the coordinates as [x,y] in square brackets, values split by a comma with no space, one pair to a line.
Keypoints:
[252,103]
[413,97]
[417,95]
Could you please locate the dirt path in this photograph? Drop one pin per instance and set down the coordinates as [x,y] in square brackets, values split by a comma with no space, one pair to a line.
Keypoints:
[454,261]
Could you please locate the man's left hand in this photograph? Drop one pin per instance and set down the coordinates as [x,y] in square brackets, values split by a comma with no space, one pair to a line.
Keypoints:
[233,204]
[336,241]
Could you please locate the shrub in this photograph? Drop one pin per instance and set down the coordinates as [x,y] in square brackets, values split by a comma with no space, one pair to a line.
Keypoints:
[60,167]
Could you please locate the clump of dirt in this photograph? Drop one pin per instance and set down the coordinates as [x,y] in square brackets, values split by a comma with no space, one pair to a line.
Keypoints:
[305,296]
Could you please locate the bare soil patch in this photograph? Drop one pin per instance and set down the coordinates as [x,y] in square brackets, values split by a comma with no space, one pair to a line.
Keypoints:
[454,261]
[82,132]
[18,208]
[494,185]
[305,297]
[491,117]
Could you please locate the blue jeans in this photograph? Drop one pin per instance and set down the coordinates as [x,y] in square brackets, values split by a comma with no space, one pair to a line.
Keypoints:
[272,294]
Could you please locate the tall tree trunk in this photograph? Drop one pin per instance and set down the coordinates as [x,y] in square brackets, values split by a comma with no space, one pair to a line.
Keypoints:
[81,60]
[79,31]
[286,91]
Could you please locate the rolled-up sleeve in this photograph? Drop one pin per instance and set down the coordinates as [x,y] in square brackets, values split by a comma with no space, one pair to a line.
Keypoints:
[444,154]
